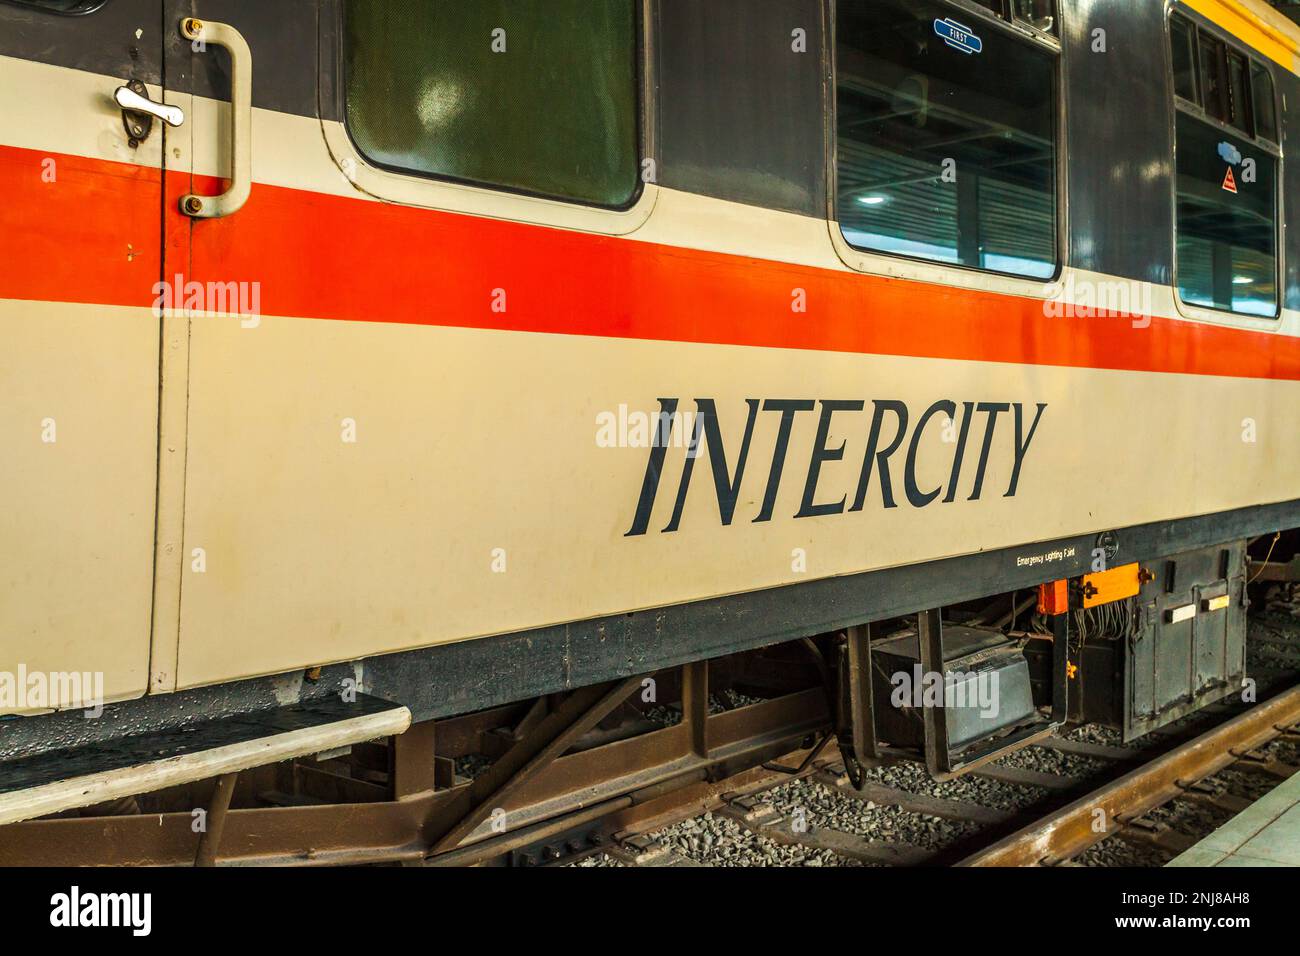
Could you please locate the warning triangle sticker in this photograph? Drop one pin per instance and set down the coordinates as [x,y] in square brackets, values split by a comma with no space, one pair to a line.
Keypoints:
[1230,181]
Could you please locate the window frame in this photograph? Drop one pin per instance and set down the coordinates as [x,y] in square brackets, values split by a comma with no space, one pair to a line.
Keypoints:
[1259,66]
[897,265]
[1006,15]
[444,193]
[1195,67]
[73,8]
[1196,111]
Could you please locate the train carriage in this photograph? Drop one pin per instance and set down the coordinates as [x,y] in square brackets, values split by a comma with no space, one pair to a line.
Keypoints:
[372,366]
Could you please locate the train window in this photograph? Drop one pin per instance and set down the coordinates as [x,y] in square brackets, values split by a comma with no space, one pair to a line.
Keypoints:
[71,8]
[1183,41]
[1213,92]
[1040,14]
[1233,88]
[533,98]
[1261,85]
[946,139]
[1226,220]
[1238,100]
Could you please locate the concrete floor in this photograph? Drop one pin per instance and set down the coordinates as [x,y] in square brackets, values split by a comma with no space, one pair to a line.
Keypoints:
[1265,834]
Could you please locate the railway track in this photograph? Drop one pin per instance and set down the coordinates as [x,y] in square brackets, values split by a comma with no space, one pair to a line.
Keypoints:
[1082,799]
[767,818]
[1124,807]
[1079,800]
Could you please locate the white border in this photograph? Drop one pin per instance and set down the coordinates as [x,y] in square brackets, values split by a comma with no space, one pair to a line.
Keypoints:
[412,190]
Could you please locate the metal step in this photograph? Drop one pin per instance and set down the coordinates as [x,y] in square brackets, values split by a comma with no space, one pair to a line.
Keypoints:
[97,773]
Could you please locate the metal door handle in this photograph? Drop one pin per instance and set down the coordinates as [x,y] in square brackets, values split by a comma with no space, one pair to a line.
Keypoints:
[241,119]
[133,102]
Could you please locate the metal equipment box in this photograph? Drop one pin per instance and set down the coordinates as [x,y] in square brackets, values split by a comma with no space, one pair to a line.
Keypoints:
[1186,647]
[985,683]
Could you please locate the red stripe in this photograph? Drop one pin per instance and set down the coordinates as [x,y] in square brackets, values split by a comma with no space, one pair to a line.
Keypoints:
[332,257]
[78,230]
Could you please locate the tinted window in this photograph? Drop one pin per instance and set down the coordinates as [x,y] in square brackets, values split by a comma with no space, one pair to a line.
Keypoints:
[69,7]
[1212,80]
[535,97]
[757,137]
[1238,92]
[946,145]
[1261,85]
[1227,240]
[1038,13]
[995,6]
[1183,40]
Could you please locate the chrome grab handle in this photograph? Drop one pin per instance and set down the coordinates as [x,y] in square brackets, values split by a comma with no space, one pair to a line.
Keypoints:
[133,102]
[241,116]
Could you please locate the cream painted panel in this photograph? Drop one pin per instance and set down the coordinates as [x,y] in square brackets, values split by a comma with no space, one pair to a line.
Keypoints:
[77,513]
[38,100]
[319,550]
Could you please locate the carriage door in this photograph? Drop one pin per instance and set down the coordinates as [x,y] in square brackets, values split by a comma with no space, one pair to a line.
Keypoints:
[82,139]
[249,218]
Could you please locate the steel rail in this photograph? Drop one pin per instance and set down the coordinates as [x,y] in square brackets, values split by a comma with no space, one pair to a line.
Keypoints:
[1109,810]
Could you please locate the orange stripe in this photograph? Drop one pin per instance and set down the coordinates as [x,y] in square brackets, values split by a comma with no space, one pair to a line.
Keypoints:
[90,234]
[330,257]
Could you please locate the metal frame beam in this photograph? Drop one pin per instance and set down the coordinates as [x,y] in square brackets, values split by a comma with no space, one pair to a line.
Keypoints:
[396,830]
[554,734]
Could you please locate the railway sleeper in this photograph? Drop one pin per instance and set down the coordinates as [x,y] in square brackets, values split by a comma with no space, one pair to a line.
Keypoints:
[1084,748]
[643,851]
[1021,777]
[1259,761]
[1205,794]
[1148,832]
[765,821]
[956,810]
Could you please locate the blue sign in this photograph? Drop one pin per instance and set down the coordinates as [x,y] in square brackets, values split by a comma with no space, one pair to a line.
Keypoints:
[958,37]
